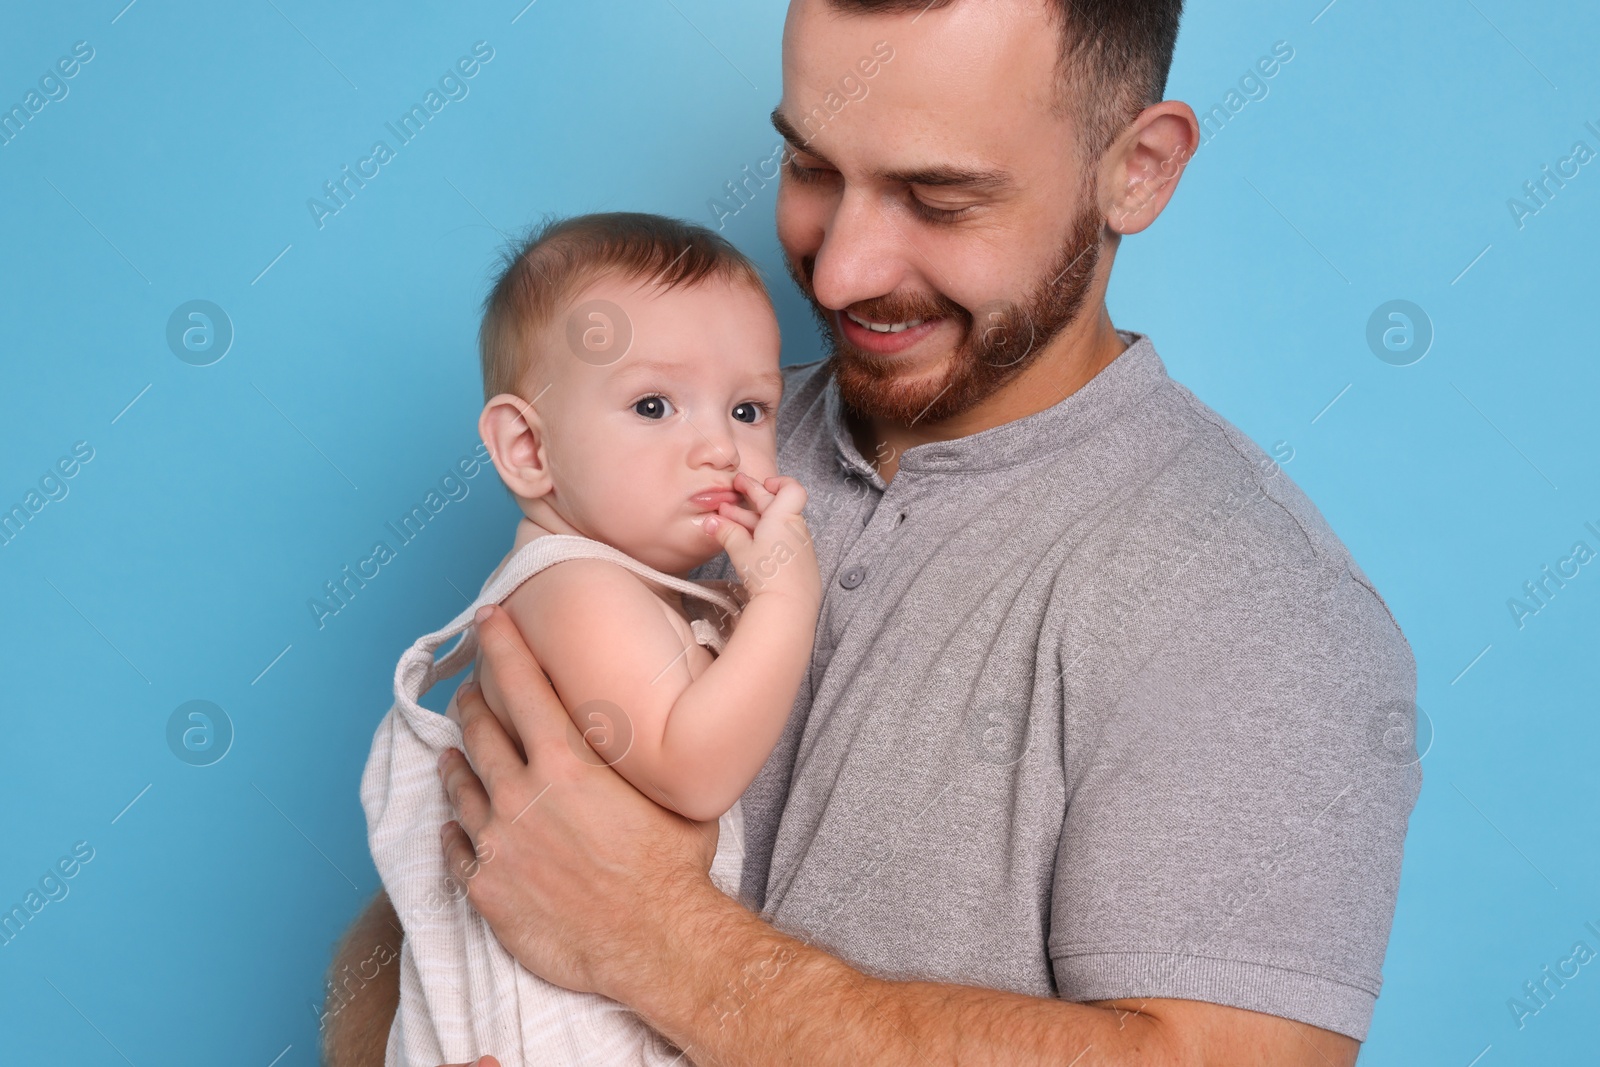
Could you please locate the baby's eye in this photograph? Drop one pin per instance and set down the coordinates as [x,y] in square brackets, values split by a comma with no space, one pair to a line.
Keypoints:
[755,409]
[653,407]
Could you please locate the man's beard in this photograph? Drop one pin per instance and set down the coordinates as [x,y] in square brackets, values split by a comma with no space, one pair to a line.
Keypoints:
[1001,339]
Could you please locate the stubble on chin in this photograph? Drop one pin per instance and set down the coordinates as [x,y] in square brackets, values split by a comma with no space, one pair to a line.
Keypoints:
[997,342]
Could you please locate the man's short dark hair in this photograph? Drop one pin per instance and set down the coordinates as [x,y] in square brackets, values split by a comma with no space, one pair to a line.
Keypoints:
[1115,56]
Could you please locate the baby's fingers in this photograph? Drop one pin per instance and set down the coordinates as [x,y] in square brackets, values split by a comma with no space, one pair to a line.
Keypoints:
[753,491]
[743,516]
[733,538]
[789,495]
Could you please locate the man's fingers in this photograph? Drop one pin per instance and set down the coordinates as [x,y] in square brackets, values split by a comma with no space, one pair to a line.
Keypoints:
[531,705]
[459,855]
[492,752]
[467,794]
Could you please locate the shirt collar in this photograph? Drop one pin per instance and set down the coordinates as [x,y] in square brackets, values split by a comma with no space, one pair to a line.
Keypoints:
[1136,371]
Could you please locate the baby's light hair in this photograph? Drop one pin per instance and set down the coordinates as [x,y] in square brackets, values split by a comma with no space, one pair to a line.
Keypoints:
[560,257]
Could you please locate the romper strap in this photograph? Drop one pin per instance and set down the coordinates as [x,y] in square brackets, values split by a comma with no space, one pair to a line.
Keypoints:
[418,670]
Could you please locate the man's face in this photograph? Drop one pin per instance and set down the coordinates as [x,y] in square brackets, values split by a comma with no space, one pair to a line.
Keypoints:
[940,188]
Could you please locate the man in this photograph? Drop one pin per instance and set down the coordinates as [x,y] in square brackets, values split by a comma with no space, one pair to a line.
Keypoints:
[1097,760]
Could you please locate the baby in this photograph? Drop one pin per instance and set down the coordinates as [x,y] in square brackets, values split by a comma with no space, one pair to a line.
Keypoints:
[631,367]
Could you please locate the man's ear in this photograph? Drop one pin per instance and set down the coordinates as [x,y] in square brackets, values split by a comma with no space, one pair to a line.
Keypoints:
[515,436]
[1140,172]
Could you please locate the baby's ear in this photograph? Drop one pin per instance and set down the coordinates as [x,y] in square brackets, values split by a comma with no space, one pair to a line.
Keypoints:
[514,434]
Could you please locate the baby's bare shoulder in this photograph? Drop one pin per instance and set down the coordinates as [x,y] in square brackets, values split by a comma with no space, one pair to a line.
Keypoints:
[599,631]
[583,600]
[583,580]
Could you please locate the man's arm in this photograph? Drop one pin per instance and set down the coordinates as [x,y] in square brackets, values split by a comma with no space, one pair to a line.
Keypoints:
[728,988]
[598,889]
[364,988]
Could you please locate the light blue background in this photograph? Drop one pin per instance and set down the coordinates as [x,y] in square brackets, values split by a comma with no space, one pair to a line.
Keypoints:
[180,565]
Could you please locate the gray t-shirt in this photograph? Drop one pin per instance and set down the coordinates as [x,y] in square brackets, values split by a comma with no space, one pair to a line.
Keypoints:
[1099,707]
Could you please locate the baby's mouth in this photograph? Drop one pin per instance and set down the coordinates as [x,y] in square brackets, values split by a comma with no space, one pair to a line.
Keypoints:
[710,499]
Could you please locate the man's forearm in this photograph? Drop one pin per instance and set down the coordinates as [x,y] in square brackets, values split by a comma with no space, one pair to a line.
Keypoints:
[731,990]
[363,988]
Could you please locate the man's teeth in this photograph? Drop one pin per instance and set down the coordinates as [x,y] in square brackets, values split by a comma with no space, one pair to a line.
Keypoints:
[885,327]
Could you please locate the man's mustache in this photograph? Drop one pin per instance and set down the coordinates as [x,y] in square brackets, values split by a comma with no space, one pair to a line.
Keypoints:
[876,312]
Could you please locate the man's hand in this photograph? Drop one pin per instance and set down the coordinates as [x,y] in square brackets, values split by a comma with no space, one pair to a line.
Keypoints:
[594,887]
[562,856]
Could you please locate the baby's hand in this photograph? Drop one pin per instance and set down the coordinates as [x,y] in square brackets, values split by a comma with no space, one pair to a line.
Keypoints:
[771,547]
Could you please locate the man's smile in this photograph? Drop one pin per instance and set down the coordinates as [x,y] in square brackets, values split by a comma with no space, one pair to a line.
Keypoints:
[885,339]
[884,327]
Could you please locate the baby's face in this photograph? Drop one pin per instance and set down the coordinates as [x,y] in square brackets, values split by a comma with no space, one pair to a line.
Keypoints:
[692,402]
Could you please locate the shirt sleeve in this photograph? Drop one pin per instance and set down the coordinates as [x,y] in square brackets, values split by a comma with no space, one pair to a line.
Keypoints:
[1236,820]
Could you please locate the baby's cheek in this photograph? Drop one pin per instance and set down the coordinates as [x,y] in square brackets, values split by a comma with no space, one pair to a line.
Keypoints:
[759,468]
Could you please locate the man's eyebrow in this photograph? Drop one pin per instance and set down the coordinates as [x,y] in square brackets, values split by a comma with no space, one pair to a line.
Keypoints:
[973,178]
[787,131]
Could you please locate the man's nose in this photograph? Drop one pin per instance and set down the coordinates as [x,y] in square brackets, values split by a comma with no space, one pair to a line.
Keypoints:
[863,253]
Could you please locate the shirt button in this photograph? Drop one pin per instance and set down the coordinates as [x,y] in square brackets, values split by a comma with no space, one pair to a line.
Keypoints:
[852,577]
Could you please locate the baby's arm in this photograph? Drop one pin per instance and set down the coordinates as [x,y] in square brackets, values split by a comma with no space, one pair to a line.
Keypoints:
[620,666]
